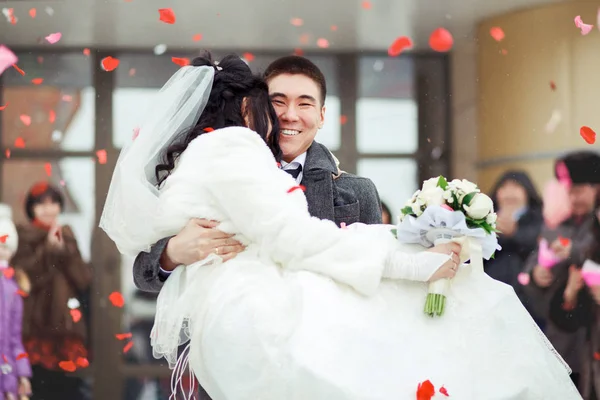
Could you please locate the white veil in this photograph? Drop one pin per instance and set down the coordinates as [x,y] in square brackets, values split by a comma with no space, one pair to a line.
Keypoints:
[133,195]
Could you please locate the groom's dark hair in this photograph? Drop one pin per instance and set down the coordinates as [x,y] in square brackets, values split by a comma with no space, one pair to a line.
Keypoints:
[297,65]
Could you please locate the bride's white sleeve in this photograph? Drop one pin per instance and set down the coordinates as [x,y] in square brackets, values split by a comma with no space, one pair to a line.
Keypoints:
[246,185]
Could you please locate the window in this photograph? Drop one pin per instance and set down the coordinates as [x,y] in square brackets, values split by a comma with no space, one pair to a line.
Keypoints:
[387,126]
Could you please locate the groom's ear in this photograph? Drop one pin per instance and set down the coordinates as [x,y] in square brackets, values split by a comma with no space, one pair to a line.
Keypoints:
[322,117]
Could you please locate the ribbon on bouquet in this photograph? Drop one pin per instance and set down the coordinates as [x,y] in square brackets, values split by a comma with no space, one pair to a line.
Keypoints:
[471,250]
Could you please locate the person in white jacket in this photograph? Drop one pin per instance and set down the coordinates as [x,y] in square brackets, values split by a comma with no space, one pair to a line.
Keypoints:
[308,310]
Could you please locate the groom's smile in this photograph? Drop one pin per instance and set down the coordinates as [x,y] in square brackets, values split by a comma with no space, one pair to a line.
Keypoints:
[296,99]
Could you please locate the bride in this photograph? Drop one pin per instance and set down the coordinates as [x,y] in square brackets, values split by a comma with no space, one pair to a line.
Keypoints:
[308,310]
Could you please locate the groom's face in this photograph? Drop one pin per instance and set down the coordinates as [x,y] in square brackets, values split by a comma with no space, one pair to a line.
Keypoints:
[296,99]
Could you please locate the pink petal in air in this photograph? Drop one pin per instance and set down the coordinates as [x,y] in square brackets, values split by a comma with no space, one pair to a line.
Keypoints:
[53,37]
[523,278]
[25,119]
[7,58]
[585,28]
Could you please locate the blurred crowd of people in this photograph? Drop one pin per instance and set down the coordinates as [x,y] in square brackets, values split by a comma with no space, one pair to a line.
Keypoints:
[44,292]
[548,248]
[548,243]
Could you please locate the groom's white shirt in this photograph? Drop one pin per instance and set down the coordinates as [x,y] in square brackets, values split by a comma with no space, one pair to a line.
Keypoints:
[298,161]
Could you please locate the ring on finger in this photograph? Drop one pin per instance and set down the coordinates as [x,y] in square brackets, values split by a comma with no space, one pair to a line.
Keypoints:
[452,256]
[217,251]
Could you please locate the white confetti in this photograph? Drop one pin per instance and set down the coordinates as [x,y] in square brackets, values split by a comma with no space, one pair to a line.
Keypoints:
[160,49]
[378,66]
[553,121]
[73,303]
[57,136]
[50,11]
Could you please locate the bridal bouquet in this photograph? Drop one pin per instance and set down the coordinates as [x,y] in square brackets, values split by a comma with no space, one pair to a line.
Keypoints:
[442,211]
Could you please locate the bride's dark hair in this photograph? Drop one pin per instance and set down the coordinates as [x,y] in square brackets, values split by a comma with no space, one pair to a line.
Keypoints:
[237,96]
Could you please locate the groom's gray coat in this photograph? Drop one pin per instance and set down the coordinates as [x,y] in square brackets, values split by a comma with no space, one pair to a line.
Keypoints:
[330,193]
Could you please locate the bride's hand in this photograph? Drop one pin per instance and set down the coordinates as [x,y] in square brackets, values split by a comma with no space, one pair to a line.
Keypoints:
[449,268]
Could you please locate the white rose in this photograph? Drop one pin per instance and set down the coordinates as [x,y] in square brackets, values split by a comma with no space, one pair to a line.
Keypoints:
[464,187]
[448,196]
[481,205]
[430,184]
[433,197]
[491,218]
[414,198]
[416,207]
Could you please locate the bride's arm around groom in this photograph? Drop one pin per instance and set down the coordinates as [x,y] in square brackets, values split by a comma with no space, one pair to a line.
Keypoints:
[331,194]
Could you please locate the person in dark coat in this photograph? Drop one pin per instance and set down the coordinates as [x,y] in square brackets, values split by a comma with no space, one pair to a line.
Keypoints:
[568,243]
[576,306]
[519,209]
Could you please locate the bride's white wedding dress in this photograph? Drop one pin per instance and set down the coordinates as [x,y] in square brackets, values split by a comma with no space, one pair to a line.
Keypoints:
[304,314]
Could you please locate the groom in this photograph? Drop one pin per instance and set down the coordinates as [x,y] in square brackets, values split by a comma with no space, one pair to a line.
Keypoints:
[297,88]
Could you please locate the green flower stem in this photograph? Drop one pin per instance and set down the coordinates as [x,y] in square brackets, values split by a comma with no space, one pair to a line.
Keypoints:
[435,304]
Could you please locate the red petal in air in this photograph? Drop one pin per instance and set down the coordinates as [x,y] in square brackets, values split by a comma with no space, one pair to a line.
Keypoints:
[400,44]
[68,366]
[298,187]
[19,143]
[21,356]
[116,299]
[101,154]
[37,81]
[51,116]
[564,241]
[425,390]
[3,238]
[109,63]
[248,56]
[182,62]
[39,188]
[444,391]
[123,336]
[167,15]
[82,362]
[9,272]
[127,347]
[588,134]
[76,315]
[4,106]
[19,70]
[209,129]
[552,85]
[497,33]
[48,168]
[441,40]
[197,37]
